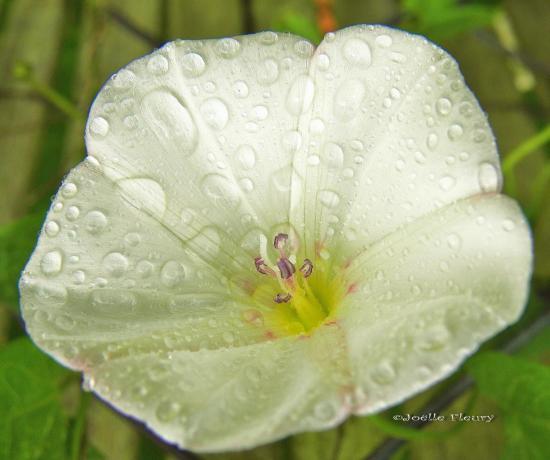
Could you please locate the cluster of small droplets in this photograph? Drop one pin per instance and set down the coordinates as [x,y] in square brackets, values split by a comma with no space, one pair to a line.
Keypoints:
[285,266]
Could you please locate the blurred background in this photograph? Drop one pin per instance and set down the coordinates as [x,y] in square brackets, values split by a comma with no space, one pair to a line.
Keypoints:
[55,55]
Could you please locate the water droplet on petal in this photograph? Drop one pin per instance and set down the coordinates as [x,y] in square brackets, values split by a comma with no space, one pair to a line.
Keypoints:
[300,95]
[115,263]
[508,225]
[303,48]
[99,126]
[95,222]
[323,62]
[333,155]
[172,273]
[357,52]
[240,89]
[292,141]
[72,213]
[157,64]
[167,411]
[443,106]
[246,156]
[221,190]
[268,72]
[215,113]
[227,47]
[432,140]
[454,241]
[384,41]
[51,263]
[329,198]
[447,183]
[348,99]
[192,64]
[455,131]
[52,228]
[384,373]
[488,177]
[69,190]
[145,194]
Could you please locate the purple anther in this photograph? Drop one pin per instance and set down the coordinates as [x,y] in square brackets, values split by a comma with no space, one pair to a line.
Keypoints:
[280,240]
[262,267]
[282,298]
[306,268]
[286,267]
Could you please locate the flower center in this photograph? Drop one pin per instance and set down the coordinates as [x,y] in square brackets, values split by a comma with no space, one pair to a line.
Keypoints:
[302,299]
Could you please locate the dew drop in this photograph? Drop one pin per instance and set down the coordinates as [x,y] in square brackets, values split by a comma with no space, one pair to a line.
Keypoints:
[170,121]
[116,264]
[215,113]
[384,373]
[300,95]
[323,62]
[348,99]
[268,72]
[228,47]
[124,79]
[72,213]
[443,106]
[51,228]
[268,37]
[65,322]
[99,126]
[132,239]
[221,191]
[144,268]
[79,277]
[259,113]
[488,177]
[329,198]
[240,89]
[446,183]
[454,241]
[95,222]
[434,338]
[157,64]
[508,225]
[303,48]
[455,131]
[432,140]
[317,126]
[419,157]
[246,156]
[192,64]
[187,216]
[172,273]
[246,184]
[384,41]
[69,190]
[167,411]
[292,141]
[333,155]
[51,263]
[145,194]
[357,52]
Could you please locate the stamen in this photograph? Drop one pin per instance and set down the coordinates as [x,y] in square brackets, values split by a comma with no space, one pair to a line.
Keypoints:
[306,268]
[263,268]
[282,298]
[286,267]
[280,240]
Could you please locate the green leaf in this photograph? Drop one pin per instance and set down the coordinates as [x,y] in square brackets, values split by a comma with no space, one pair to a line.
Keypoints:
[33,425]
[17,240]
[522,389]
[441,19]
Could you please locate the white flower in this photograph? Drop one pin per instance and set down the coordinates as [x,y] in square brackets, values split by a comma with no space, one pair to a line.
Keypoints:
[370,163]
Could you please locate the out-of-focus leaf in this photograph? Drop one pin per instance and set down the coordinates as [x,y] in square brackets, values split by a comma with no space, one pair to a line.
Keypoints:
[33,425]
[522,389]
[17,240]
[298,24]
[439,19]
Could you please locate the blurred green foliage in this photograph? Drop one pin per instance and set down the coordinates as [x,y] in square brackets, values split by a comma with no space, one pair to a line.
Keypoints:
[63,50]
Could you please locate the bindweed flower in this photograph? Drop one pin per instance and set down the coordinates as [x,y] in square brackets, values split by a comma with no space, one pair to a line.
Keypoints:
[267,237]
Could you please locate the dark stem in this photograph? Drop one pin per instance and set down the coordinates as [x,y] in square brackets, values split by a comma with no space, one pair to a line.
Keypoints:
[247,17]
[129,25]
[391,445]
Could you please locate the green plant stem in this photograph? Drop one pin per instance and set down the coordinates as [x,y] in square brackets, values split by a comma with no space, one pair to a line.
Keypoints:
[521,152]
[26,74]
[537,193]
[79,426]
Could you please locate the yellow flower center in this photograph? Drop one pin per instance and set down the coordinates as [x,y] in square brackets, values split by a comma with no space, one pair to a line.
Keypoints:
[298,301]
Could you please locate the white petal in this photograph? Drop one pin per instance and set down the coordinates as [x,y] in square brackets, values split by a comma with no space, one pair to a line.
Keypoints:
[210,127]
[393,134]
[430,293]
